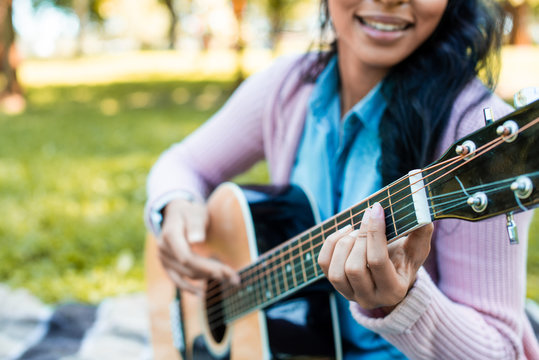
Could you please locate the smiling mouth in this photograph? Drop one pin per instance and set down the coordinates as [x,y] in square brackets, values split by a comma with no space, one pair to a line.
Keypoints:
[387,26]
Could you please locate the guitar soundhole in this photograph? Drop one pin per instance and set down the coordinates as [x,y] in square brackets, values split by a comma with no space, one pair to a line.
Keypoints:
[215,311]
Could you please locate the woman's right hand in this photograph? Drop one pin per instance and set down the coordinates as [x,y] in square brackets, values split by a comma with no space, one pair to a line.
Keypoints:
[185,222]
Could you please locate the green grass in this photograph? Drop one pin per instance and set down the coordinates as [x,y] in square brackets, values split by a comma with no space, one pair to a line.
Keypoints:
[72,183]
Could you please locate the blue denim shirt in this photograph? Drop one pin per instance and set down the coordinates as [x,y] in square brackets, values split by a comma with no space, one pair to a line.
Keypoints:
[337,163]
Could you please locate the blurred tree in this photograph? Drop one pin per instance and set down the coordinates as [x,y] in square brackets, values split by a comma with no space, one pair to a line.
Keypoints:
[11,95]
[239,10]
[520,12]
[85,10]
[278,13]
[174,22]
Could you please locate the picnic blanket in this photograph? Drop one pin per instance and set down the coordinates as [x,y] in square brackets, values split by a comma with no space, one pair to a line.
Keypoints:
[116,329]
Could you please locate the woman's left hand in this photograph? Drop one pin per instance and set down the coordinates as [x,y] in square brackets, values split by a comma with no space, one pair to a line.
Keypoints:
[365,269]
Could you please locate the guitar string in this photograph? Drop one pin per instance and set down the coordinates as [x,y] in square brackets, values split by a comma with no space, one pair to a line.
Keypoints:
[310,265]
[522,129]
[447,163]
[250,277]
[475,154]
[320,245]
[249,270]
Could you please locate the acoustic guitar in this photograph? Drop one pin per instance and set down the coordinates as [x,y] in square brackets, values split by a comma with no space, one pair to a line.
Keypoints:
[284,308]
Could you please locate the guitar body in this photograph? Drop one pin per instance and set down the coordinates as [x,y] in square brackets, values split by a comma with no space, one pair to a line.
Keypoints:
[243,223]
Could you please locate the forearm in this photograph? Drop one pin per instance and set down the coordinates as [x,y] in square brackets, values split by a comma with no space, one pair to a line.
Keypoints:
[475,311]
[428,325]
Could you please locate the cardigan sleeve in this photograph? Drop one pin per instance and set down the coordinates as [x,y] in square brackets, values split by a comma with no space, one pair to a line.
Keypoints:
[226,145]
[475,310]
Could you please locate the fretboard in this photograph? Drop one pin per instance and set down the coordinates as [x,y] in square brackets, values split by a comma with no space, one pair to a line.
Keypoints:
[293,265]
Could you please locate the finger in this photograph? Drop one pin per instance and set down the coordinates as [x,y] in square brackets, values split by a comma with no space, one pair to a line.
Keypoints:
[336,271]
[209,268]
[184,284]
[201,267]
[417,245]
[356,269]
[382,269]
[174,237]
[326,252]
[172,264]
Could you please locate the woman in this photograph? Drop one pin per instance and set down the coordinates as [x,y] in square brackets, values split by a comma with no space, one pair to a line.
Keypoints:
[396,88]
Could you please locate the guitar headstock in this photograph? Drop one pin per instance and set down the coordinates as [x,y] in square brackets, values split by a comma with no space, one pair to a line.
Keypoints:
[492,171]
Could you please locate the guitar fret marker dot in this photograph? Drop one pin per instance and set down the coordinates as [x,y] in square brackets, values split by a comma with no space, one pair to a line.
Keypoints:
[288,268]
[308,257]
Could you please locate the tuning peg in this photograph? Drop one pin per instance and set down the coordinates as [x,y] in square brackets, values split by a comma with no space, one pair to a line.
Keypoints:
[522,187]
[466,148]
[509,131]
[512,230]
[526,96]
[478,202]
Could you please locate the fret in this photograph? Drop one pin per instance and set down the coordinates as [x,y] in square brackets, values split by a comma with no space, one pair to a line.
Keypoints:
[297,263]
[289,265]
[227,306]
[316,249]
[403,209]
[248,291]
[308,257]
[358,212]
[268,279]
[283,269]
[390,208]
[343,219]
[383,199]
[317,240]
[238,296]
[274,267]
[254,288]
[328,227]
[277,269]
[234,304]
[379,197]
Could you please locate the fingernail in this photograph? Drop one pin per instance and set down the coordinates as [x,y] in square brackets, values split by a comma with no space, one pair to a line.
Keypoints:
[377,211]
[196,237]
[366,215]
[345,229]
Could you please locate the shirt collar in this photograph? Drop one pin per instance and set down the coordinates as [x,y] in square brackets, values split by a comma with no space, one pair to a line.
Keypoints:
[368,110]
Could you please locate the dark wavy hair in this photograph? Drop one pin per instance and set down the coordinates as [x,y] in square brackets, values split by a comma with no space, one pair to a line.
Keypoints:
[420,91]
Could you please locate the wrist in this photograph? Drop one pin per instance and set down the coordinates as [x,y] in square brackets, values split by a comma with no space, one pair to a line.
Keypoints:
[157,210]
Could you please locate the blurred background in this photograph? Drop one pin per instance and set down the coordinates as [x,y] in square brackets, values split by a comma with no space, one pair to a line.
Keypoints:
[92,91]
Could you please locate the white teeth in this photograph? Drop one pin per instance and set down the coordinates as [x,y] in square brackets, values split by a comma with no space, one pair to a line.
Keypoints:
[384,26]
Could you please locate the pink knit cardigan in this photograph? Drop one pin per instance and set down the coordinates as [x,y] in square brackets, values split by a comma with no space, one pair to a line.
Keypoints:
[468,300]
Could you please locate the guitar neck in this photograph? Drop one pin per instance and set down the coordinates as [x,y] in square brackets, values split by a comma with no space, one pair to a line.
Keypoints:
[489,172]
[293,265]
